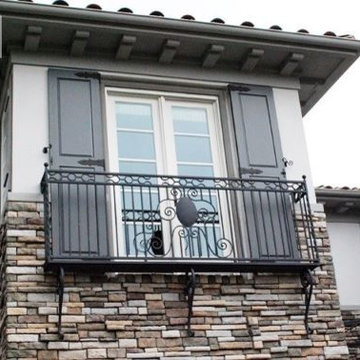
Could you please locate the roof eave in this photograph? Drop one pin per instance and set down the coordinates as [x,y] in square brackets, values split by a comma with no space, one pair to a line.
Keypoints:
[96,17]
[312,88]
[333,194]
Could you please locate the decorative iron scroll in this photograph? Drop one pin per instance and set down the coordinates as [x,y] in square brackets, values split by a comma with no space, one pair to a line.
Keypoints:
[198,240]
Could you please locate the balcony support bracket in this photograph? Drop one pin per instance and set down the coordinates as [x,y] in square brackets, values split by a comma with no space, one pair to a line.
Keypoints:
[307,282]
[60,291]
[189,291]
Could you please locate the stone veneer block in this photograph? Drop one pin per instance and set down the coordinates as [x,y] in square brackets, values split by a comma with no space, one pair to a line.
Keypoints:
[72,355]
[352,331]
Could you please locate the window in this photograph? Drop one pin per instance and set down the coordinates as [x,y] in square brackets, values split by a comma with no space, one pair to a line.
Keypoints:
[166,134]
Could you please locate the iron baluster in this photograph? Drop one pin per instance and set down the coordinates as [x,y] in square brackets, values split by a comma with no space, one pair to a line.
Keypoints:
[60,291]
[307,282]
[44,186]
[312,230]
[190,291]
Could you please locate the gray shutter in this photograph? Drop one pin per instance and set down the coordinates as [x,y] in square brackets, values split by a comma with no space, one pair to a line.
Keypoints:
[269,216]
[79,216]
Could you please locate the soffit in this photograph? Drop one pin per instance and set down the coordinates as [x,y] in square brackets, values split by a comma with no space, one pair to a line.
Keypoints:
[339,200]
[317,61]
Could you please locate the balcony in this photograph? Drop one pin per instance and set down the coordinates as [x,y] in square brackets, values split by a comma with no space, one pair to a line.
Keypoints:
[146,223]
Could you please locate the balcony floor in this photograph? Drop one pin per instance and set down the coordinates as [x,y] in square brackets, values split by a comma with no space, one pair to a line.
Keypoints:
[171,266]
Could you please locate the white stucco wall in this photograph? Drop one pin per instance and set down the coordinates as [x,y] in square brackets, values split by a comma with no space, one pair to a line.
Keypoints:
[345,249]
[292,136]
[30,130]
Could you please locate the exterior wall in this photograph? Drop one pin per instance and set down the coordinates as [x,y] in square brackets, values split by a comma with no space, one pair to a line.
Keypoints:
[344,232]
[244,316]
[345,246]
[30,129]
[292,137]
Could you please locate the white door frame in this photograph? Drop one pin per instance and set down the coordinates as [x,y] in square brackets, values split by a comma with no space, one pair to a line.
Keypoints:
[163,130]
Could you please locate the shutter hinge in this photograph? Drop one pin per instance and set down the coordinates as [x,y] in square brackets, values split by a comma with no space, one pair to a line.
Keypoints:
[88,75]
[92,162]
[250,171]
[238,87]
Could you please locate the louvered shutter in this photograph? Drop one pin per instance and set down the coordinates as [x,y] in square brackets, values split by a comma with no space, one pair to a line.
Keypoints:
[269,216]
[79,214]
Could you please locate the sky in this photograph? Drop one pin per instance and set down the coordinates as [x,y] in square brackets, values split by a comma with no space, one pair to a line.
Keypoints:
[332,127]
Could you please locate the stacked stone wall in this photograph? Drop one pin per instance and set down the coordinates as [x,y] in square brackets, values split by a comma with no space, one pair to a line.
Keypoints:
[2,293]
[127,316]
[352,330]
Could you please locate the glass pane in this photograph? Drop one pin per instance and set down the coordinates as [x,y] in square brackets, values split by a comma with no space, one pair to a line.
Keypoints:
[207,207]
[133,145]
[134,116]
[142,206]
[193,149]
[137,167]
[196,170]
[189,120]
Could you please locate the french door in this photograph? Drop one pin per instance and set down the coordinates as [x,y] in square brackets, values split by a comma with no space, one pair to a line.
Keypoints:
[173,135]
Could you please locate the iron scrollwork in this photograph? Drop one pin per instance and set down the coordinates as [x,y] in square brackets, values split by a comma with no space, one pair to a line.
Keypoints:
[187,219]
[190,292]
[60,291]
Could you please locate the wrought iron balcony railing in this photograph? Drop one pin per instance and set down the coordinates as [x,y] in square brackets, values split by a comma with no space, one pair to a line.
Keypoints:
[132,222]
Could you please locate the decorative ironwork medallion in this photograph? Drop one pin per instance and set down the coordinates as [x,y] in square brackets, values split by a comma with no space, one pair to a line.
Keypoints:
[186,212]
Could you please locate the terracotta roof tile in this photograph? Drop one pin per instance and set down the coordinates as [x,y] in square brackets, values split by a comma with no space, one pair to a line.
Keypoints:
[94,6]
[188,17]
[329,187]
[60,2]
[247,24]
[216,20]
[157,13]
[125,10]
